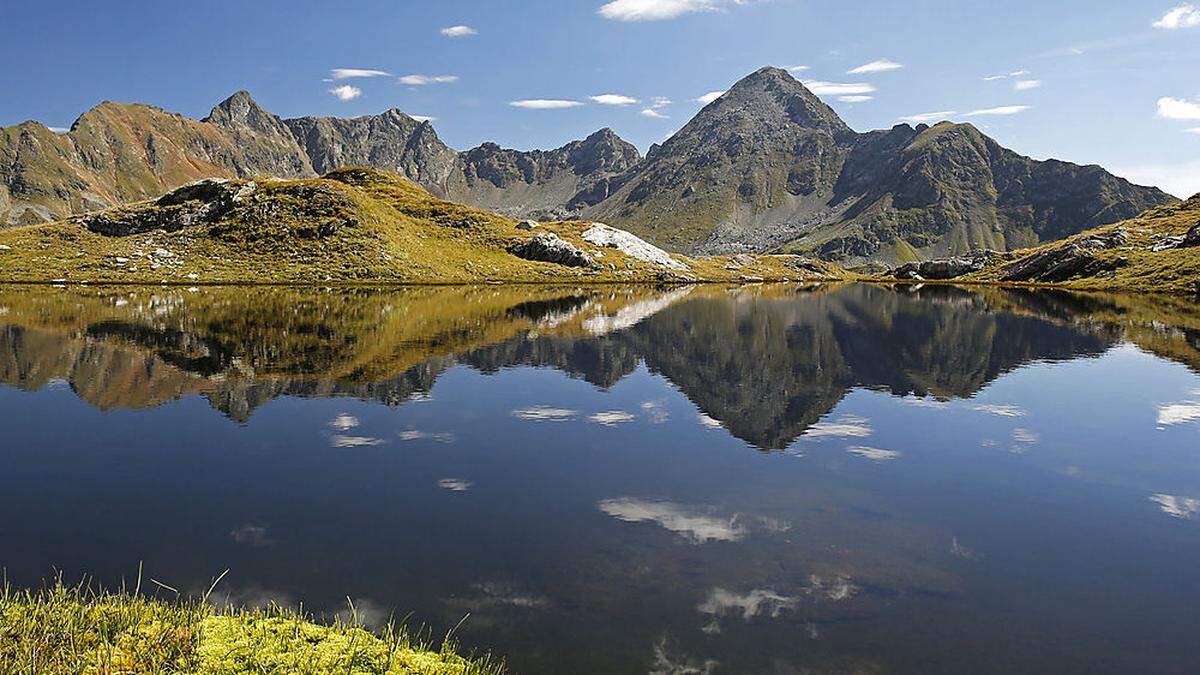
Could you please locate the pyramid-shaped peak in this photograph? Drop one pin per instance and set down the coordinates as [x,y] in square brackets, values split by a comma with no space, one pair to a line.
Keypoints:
[239,108]
[770,94]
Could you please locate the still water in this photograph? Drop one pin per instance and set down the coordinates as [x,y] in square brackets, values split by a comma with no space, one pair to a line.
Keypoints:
[631,480]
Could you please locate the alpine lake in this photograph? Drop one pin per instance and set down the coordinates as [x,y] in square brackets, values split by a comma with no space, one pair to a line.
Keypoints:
[603,479]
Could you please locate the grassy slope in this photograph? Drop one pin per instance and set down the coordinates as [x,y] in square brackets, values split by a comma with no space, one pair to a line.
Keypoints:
[62,630]
[400,234]
[1171,271]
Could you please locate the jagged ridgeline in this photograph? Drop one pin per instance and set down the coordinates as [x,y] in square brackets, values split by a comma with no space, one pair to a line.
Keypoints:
[768,166]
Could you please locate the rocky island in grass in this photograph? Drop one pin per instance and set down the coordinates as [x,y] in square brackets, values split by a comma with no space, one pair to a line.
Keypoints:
[352,225]
[1155,252]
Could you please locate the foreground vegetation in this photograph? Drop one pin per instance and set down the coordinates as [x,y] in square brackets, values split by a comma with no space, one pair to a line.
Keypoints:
[352,225]
[73,630]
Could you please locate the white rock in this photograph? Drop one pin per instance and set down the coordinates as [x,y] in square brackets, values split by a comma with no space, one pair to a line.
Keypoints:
[631,245]
[5,247]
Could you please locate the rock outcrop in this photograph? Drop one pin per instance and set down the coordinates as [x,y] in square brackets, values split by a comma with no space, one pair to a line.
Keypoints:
[1073,258]
[945,268]
[549,247]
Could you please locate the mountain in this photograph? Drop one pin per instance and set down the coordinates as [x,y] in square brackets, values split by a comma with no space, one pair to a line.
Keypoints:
[767,166]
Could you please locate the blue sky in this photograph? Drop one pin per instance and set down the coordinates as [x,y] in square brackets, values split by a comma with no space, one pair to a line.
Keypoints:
[1114,82]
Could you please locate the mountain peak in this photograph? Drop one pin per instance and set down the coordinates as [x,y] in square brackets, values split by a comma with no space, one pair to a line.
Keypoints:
[240,109]
[769,94]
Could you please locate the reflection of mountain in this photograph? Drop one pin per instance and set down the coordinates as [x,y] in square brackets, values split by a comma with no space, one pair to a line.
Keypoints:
[766,362]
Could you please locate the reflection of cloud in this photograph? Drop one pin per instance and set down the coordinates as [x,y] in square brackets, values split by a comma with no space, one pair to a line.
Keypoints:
[340,441]
[709,422]
[343,422]
[252,535]
[1176,506]
[759,602]
[1001,410]
[416,435]
[848,426]
[959,551]
[611,417]
[1178,413]
[542,413]
[668,662]
[1022,435]
[455,484]
[251,597]
[697,527]
[655,412]
[836,588]
[365,612]
[923,402]
[873,454]
[498,594]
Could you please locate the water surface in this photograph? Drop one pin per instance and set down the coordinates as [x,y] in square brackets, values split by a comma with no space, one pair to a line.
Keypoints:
[772,479]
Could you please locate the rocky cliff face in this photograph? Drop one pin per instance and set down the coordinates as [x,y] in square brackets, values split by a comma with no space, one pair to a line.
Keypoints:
[768,166]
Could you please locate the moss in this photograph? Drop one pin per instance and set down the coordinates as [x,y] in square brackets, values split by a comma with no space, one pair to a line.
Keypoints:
[60,629]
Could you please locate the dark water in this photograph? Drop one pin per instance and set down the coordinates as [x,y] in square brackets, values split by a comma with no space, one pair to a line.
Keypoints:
[764,480]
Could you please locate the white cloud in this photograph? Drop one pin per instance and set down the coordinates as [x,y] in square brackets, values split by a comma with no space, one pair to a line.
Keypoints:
[1183,16]
[847,426]
[455,484]
[343,422]
[658,10]
[925,118]
[423,118]
[346,92]
[1026,85]
[59,130]
[1019,73]
[1181,180]
[873,454]
[993,78]
[1179,413]
[458,31]
[416,435]
[1001,410]
[421,80]
[858,98]
[1022,435]
[613,99]
[797,69]
[544,104]
[610,418]
[1000,110]
[821,88]
[542,413]
[347,73]
[710,97]
[696,527]
[1176,506]
[1178,109]
[651,112]
[879,66]
[340,441]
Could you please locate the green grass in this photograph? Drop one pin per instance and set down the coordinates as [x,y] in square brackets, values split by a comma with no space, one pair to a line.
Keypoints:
[61,629]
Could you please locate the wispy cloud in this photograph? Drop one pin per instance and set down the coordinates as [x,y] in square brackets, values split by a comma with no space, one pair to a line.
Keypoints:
[1182,16]
[873,454]
[659,10]
[423,118]
[347,73]
[879,66]
[1000,110]
[340,441]
[692,525]
[1178,109]
[797,69]
[1005,76]
[651,112]
[857,98]
[545,104]
[848,426]
[543,413]
[710,97]
[1177,506]
[455,484]
[613,99]
[458,31]
[1022,435]
[657,103]
[999,409]
[611,418]
[346,92]
[821,88]
[925,118]
[422,80]
[1025,85]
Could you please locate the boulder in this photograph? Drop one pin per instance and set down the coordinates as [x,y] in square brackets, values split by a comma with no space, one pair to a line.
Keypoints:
[631,245]
[527,225]
[945,268]
[551,248]
[1069,259]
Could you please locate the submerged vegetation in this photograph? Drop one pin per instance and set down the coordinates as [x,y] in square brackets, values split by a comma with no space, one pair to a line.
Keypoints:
[62,629]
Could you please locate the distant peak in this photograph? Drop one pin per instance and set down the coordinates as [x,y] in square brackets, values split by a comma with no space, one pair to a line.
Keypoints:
[238,107]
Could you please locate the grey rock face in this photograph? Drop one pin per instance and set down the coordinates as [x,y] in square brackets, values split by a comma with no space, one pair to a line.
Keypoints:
[945,268]
[267,145]
[1069,259]
[549,247]
[204,201]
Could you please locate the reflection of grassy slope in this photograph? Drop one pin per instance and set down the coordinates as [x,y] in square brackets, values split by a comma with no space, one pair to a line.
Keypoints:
[60,631]
[1171,271]
[352,225]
